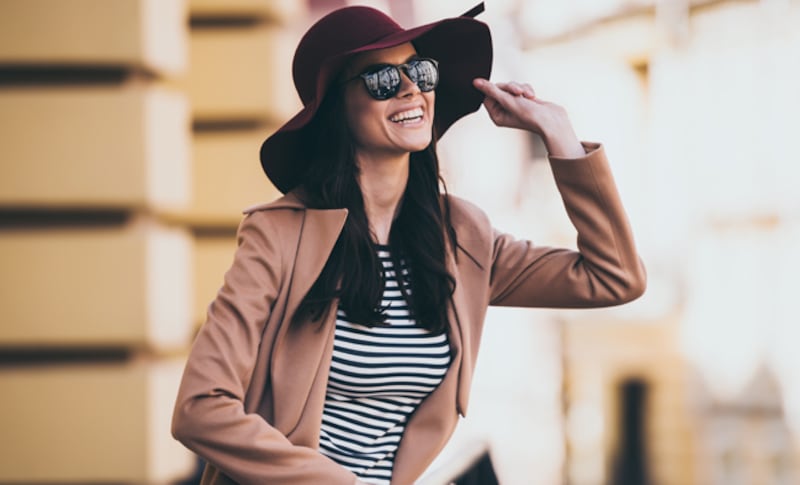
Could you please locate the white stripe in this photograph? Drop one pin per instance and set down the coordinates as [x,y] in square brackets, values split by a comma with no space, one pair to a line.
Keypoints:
[392,312]
[347,383]
[429,356]
[392,330]
[389,339]
[404,372]
[354,460]
[361,433]
[400,404]
[377,423]
[408,389]
[350,409]
[439,361]
[389,443]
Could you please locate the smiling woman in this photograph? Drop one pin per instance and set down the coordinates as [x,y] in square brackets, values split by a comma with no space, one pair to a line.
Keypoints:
[342,346]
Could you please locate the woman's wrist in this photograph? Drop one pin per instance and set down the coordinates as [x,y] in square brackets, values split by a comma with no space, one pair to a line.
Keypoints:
[552,123]
[563,143]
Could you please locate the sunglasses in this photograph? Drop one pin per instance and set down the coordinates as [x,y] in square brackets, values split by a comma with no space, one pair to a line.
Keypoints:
[383,80]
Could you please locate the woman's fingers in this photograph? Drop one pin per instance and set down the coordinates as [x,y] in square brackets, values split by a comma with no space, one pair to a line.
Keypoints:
[518,89]
[498,91]
[515,105]
[508,103]
[504,92]
[528,92]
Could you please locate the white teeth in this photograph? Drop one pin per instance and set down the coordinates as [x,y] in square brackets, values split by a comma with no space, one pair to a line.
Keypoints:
[407,115]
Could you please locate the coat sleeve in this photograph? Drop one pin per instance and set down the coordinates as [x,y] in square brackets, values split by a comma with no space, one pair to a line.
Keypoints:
[606,270]
[209,416]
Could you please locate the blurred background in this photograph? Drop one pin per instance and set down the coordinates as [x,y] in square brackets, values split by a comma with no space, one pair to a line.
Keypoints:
[129,132]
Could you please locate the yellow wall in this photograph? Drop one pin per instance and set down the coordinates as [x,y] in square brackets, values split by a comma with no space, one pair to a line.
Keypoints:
[129,137]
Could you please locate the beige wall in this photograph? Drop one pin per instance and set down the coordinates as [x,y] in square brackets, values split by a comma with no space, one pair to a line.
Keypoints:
[695,102]
[129,134]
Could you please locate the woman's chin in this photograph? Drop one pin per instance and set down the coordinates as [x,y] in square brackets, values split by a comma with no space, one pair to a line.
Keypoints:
[417,144]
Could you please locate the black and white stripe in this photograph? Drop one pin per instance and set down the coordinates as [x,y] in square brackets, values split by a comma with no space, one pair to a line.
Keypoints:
[377,379]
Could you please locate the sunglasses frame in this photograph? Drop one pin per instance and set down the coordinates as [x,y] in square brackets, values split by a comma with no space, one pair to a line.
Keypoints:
[400,69]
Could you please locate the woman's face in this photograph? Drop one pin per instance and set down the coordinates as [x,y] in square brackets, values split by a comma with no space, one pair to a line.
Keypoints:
[394,126]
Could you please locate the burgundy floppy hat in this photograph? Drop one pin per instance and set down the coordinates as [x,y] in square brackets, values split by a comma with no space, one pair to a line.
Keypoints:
[462,45]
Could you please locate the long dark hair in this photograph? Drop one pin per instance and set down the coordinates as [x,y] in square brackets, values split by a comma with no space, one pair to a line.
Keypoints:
[419,234]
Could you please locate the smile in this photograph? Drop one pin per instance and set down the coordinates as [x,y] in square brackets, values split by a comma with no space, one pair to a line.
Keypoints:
[410,116]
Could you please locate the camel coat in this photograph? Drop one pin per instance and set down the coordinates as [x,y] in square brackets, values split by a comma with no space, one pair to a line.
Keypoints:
[253,390]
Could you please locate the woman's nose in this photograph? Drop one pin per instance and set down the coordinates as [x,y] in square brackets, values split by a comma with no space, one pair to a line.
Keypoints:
[407,86]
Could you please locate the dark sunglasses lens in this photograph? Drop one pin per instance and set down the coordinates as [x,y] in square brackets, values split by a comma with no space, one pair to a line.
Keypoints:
[424,73]
[383,83]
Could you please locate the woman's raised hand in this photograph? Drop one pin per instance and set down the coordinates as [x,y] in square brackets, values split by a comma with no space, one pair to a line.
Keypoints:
[515,105]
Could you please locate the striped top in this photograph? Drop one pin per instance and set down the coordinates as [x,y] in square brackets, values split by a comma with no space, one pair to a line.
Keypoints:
[377,379]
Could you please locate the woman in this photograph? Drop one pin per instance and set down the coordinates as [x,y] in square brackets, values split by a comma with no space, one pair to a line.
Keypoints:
[342,345]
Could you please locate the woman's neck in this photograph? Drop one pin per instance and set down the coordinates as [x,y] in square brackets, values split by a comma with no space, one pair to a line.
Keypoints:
[383,182]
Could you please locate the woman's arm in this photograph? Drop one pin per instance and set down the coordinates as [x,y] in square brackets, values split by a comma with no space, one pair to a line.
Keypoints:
[209,416]
[606,269]
[515,105]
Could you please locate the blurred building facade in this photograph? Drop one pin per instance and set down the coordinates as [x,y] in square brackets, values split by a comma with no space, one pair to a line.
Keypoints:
[694,102]
[128,134]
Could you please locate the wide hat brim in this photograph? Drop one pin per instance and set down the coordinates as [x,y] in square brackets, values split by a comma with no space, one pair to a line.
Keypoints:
[463,47]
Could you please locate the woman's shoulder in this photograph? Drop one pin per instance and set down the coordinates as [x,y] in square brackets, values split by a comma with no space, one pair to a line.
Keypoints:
[281,217]
[288,201]
[289,216]
[473,230]
[464,212]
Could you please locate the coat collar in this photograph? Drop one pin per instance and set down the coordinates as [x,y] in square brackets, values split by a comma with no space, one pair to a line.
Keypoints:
[288,201]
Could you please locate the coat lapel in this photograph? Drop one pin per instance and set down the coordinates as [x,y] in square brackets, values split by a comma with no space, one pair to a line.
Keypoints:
[431,425]
[459,337]
[299,349]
